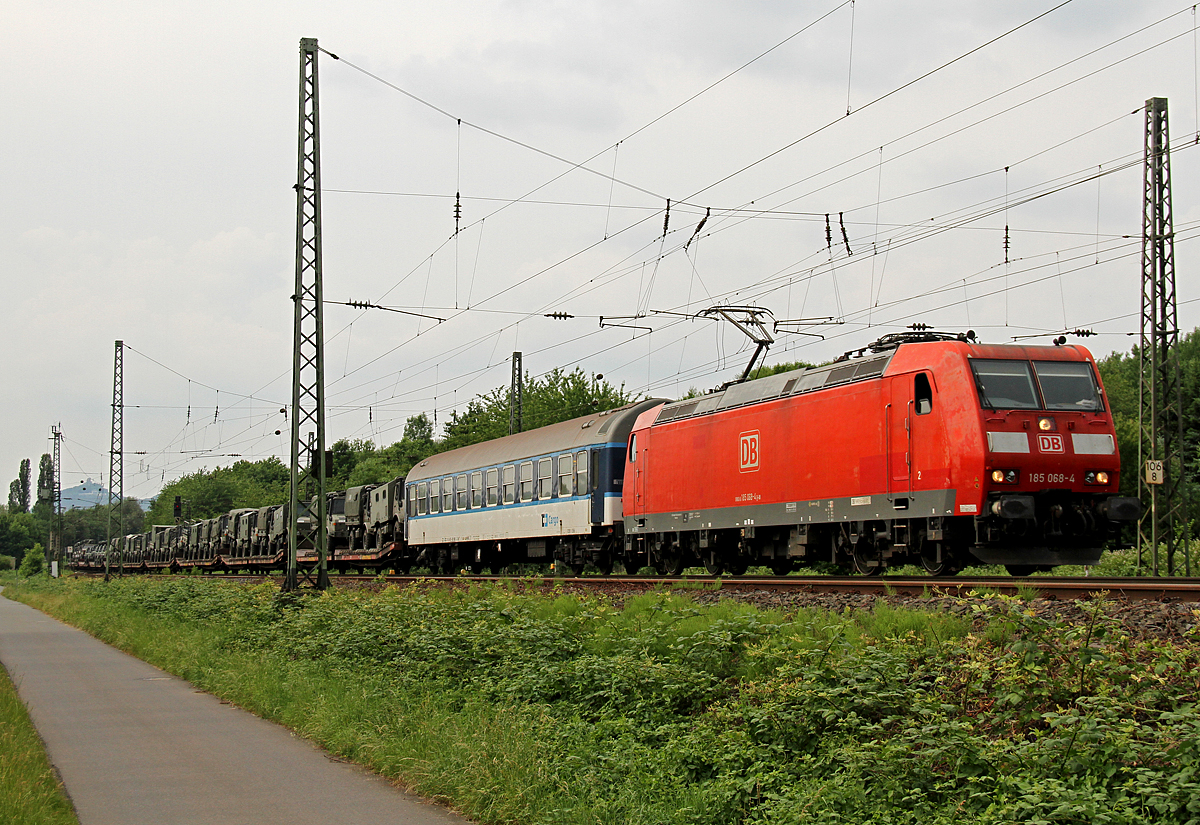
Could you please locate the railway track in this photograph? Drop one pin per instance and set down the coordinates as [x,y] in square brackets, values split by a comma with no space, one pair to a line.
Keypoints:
[1049,587]
[1131,589]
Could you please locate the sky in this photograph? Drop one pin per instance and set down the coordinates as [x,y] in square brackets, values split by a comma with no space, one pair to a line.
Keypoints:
[980,164]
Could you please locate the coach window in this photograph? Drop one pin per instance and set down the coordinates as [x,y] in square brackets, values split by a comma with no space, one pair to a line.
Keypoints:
[493,485]
[460,489]
[545,478]
[923,394]
[566,473]
[581,474]
[527,481]
[448,495]
[510,483]
[422,493]
[435,496]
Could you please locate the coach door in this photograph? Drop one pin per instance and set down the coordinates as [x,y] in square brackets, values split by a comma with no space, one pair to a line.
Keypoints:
[600,483]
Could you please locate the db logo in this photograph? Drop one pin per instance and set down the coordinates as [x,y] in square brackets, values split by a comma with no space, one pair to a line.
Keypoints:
[748,451]
[1050,443]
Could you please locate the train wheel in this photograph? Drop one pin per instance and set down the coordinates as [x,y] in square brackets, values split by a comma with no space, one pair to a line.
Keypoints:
[670,559]
[1021,569]
[712,563]
[738,565]
[866,559]
[781,567]
[932,566]
[604,563]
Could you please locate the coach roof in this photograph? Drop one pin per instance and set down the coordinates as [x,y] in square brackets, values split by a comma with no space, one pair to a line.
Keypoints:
[608,427]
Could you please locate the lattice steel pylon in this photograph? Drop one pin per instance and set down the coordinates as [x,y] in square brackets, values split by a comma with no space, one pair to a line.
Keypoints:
[515,392]
[116,467]
[1161,464]
[56,529]
[307,505]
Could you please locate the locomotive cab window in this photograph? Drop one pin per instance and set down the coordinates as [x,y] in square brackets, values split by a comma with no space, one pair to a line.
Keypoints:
[1004,385]
[922,394]
[633,448]
[1068,385]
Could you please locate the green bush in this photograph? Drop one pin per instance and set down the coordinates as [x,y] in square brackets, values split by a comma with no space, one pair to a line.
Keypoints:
[33,563]
[520,707]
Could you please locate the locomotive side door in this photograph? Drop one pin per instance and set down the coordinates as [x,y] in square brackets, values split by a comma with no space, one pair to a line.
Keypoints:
[929,465]
[899,411]
[635,468]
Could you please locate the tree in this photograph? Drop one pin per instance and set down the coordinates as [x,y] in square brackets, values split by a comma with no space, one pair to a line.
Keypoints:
[18,491]
[1120,374]
[211,493]
[556,396]
[45,478]
[419,430]
[17,531]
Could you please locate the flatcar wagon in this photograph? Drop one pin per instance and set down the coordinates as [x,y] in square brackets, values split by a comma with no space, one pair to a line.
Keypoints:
[927,448]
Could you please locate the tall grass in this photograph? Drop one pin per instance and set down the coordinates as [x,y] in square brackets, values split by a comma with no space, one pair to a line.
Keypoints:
[30,793]
[514,707]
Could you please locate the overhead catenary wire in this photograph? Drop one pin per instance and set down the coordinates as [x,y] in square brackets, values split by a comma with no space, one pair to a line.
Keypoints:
[851,223]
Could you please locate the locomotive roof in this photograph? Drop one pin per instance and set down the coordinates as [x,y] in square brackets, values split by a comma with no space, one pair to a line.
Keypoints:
[848,371]
[782,384]
[610,426]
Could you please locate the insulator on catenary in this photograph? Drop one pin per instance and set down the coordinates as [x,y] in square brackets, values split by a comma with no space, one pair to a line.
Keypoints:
[699,226]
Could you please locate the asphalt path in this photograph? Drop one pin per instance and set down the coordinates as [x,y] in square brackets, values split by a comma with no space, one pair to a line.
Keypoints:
[135,745]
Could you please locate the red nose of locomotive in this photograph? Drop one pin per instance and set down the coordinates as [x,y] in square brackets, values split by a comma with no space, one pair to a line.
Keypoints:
[1031,452]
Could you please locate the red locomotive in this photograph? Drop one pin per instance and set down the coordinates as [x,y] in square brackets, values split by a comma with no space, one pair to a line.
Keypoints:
[924,447]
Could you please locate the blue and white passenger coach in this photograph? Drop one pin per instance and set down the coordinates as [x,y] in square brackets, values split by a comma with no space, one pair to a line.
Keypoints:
[553,493]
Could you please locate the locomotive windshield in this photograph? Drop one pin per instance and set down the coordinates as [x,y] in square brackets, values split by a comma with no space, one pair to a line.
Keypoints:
[1068,385]
[1005,385]
[1059,385]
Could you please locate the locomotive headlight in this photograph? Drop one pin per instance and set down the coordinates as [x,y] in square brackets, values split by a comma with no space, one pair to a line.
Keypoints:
[1046,424]
[1095,477]
[1004,476]
[1102,477]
